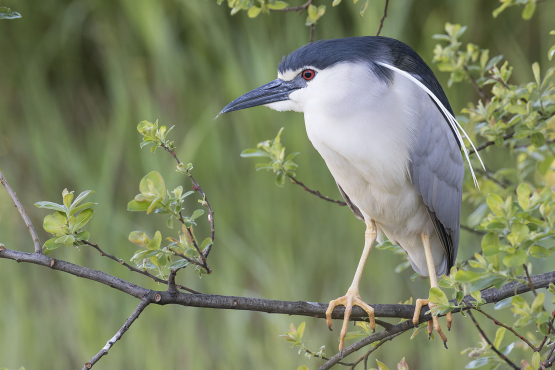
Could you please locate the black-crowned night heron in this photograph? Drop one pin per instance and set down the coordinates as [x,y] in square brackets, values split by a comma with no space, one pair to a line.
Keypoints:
[377,115]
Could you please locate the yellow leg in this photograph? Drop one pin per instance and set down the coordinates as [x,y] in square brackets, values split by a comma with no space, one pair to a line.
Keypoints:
[352,298]
[422,302]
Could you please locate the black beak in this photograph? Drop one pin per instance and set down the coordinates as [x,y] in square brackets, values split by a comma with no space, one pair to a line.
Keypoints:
[277,90]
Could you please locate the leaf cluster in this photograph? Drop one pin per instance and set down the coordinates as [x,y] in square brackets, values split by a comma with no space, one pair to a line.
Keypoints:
[281,165]
[67,222]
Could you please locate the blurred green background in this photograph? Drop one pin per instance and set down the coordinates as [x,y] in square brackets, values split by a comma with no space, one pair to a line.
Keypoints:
[75,79]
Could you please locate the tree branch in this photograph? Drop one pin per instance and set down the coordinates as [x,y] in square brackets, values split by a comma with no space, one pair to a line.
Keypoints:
[316,192]
[300,308]
[479,90]
[298,9]
[502,356]
[23,214]
[383,17]
[104,351]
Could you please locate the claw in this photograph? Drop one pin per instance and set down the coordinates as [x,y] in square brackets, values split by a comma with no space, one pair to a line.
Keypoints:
[349,300]
[433,324]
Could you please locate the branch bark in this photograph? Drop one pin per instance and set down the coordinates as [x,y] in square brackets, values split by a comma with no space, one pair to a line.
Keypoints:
[383,17]
[23,214]
[300,308]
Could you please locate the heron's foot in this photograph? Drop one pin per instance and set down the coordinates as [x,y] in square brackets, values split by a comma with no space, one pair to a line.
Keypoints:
[352,298]
[434,322]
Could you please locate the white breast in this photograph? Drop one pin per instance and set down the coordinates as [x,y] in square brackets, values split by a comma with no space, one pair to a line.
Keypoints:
[364,131]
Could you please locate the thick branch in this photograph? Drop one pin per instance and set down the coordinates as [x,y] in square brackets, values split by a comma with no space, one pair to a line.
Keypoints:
[23,214]
[316,192]
[312,309]
[104,351]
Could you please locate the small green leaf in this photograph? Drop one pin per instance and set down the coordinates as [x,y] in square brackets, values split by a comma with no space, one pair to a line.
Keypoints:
[438,297]
[155,242]
[499,337]
[539,252]
[381,366]
[536,360]
[496,204]
[50,205]
[528,12]
[254,11]
[50,245]
[135,206]
[6,13]
[336,2]
[139,238]
[53,226]
[83,235]
[278,5]
[83,218]
[68,198]
[196,214]
[516,259]
[81,207]
[300,331]
[523,192]
[178,264]
[205,244]
[463,276]
[537,139]
[254,153]
[153,184]
[68,240]
[537,305]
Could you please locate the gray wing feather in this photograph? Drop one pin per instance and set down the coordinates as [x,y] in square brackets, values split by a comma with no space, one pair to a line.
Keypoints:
[436,169]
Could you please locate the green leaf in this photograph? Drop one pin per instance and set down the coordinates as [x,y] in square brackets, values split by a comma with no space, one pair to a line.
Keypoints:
[438,297]
[196,214]
[254,153]
[300,331]
[83,235]
[68,198]
[80,197]
[153,184]
[302,368]
[156,203]
[523,193]
[178,264]
[139,238]
[142,254]
[6,13]
[254,11]
[496,204]
[68,240]
[539,252]
[499,337]
[528,12]
[537,139]
[381,366]
[477,363]
[551,52]
[50,205]
[337,2]
[363,8]
[83,218]
[53,226]
[537,305]
[536,360]
[50,245]
[135,206]
[155,242]
[516,259]
[205,244]
[278,5]
[490,244]
[280,179]
[81,207]
[463,276]
[484,282]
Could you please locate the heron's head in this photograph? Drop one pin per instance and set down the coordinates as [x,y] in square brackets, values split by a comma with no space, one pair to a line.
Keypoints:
[323,73]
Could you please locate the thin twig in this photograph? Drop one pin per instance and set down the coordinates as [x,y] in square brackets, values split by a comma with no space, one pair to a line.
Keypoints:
[490,143]
[196,187]
[550,358]
[496,322]
[104,351]
[23,214]
[131,268]
[383,17]
[312,27]
[502,356]
[547,336]
[489,175]
[365,356]
[316,192]
[479,90]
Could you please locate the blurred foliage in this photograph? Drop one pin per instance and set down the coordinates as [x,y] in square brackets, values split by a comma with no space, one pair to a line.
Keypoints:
[79,77]
[7,13]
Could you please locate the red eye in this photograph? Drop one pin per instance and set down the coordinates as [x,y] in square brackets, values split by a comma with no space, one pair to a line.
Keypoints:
[308,74]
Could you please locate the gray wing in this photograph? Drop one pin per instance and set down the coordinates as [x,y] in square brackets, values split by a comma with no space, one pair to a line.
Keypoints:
[436,169]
